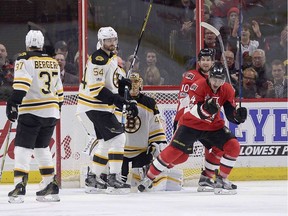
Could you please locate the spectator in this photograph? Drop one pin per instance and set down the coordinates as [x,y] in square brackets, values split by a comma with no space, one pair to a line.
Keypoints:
[152,60]
[129,62]
[152,76]
[278,46]
[249,89]
[248,46]
[211,41]
[62,48]
[219,9]
[6,74]
[277,88]
[67,78]
[260,66]
[229,55]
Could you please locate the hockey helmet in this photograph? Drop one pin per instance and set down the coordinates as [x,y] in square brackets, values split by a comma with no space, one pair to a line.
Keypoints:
[137,83]
[206,52]
[106,33]
[34,38]
[218,71]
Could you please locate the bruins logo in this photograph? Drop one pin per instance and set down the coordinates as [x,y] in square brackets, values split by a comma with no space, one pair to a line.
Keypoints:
[115,78]
[132,124]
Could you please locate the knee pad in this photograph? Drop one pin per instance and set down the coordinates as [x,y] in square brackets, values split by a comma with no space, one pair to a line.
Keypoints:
[23,158]
[232,148]
[117,143]
[44,157]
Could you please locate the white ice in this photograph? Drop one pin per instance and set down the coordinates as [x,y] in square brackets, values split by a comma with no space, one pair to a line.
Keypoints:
[254,198]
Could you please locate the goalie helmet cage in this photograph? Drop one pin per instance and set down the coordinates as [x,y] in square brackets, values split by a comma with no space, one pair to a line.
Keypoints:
[72,163]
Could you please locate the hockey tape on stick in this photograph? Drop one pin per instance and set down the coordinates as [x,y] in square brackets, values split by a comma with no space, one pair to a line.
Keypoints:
[217,33]
[91,139]
[5,149]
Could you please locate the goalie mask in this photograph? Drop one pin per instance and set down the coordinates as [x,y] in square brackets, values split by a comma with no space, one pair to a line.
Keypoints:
[34,38]
[137,84]
[107,33]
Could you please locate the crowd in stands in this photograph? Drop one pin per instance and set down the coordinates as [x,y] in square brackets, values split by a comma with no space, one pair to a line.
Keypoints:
[263,53]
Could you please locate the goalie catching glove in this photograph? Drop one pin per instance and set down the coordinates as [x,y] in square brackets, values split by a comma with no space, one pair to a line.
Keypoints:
[106,96]
[241,114]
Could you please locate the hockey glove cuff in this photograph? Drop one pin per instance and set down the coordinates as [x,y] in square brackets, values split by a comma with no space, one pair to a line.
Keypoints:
[241,114]
[122,83]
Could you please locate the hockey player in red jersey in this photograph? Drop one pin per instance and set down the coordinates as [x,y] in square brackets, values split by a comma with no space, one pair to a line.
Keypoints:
[203,122]
[205,62]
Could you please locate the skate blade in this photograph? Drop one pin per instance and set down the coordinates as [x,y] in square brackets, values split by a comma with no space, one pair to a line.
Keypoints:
[93,190]
[48,198]
[16,199]
[117,191]
[221,191]
[205,189]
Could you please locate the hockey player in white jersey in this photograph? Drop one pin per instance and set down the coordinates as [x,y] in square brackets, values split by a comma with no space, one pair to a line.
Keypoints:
[145,139]
[37,97]
[98,98]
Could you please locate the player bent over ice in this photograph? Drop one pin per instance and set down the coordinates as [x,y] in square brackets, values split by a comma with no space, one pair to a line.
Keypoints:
[202,122]
[37,95]
[145,138]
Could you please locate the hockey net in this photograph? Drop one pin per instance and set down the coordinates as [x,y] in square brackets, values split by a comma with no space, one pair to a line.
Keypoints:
[73,139]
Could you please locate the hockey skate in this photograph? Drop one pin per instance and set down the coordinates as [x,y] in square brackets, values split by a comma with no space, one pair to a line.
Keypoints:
[223,186]
[17,195]
[116,185]
[50,193]
[94,184]
[145,184]
[205,184]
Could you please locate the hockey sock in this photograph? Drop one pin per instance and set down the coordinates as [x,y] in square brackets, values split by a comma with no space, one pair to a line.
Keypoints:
[231,152]
[212,161]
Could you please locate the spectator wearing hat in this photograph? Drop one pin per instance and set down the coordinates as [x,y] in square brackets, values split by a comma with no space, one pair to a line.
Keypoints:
[61,47]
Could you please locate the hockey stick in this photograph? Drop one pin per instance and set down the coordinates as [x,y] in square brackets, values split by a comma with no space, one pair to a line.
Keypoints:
[5,149]
[217,33]
[92,140]
[240,52]
[124,110]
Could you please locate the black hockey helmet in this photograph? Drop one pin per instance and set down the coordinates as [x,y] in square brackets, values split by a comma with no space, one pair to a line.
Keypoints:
[206,52]
[218,71]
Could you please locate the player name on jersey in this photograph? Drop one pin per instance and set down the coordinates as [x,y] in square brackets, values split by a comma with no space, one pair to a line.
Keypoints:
[46,64]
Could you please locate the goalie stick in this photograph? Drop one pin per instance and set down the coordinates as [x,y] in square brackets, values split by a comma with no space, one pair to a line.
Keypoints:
[5,150]
[92,140]
[124,111]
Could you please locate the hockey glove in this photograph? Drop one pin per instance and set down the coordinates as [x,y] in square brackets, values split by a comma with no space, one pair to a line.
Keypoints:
[132,109]
[211,106]
[241,114]
[122,83]
[157,148]
[12,111]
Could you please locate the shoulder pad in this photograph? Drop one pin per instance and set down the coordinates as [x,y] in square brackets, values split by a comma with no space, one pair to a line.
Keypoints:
[149,102]
[29,54]
[99,57]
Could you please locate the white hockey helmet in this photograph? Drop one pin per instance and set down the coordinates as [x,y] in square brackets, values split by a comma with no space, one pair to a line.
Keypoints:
[106,33]
[34,38]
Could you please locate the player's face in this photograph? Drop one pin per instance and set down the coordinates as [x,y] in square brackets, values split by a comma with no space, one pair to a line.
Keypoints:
[205,63]
[110,44]
[215,83]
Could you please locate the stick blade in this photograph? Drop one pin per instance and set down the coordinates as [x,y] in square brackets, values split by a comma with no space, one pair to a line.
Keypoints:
[210,27]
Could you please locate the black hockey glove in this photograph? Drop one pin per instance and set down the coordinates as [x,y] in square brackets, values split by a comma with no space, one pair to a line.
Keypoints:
[132,109]
[12,111]
[122,83]
[241,114]
[211,106]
